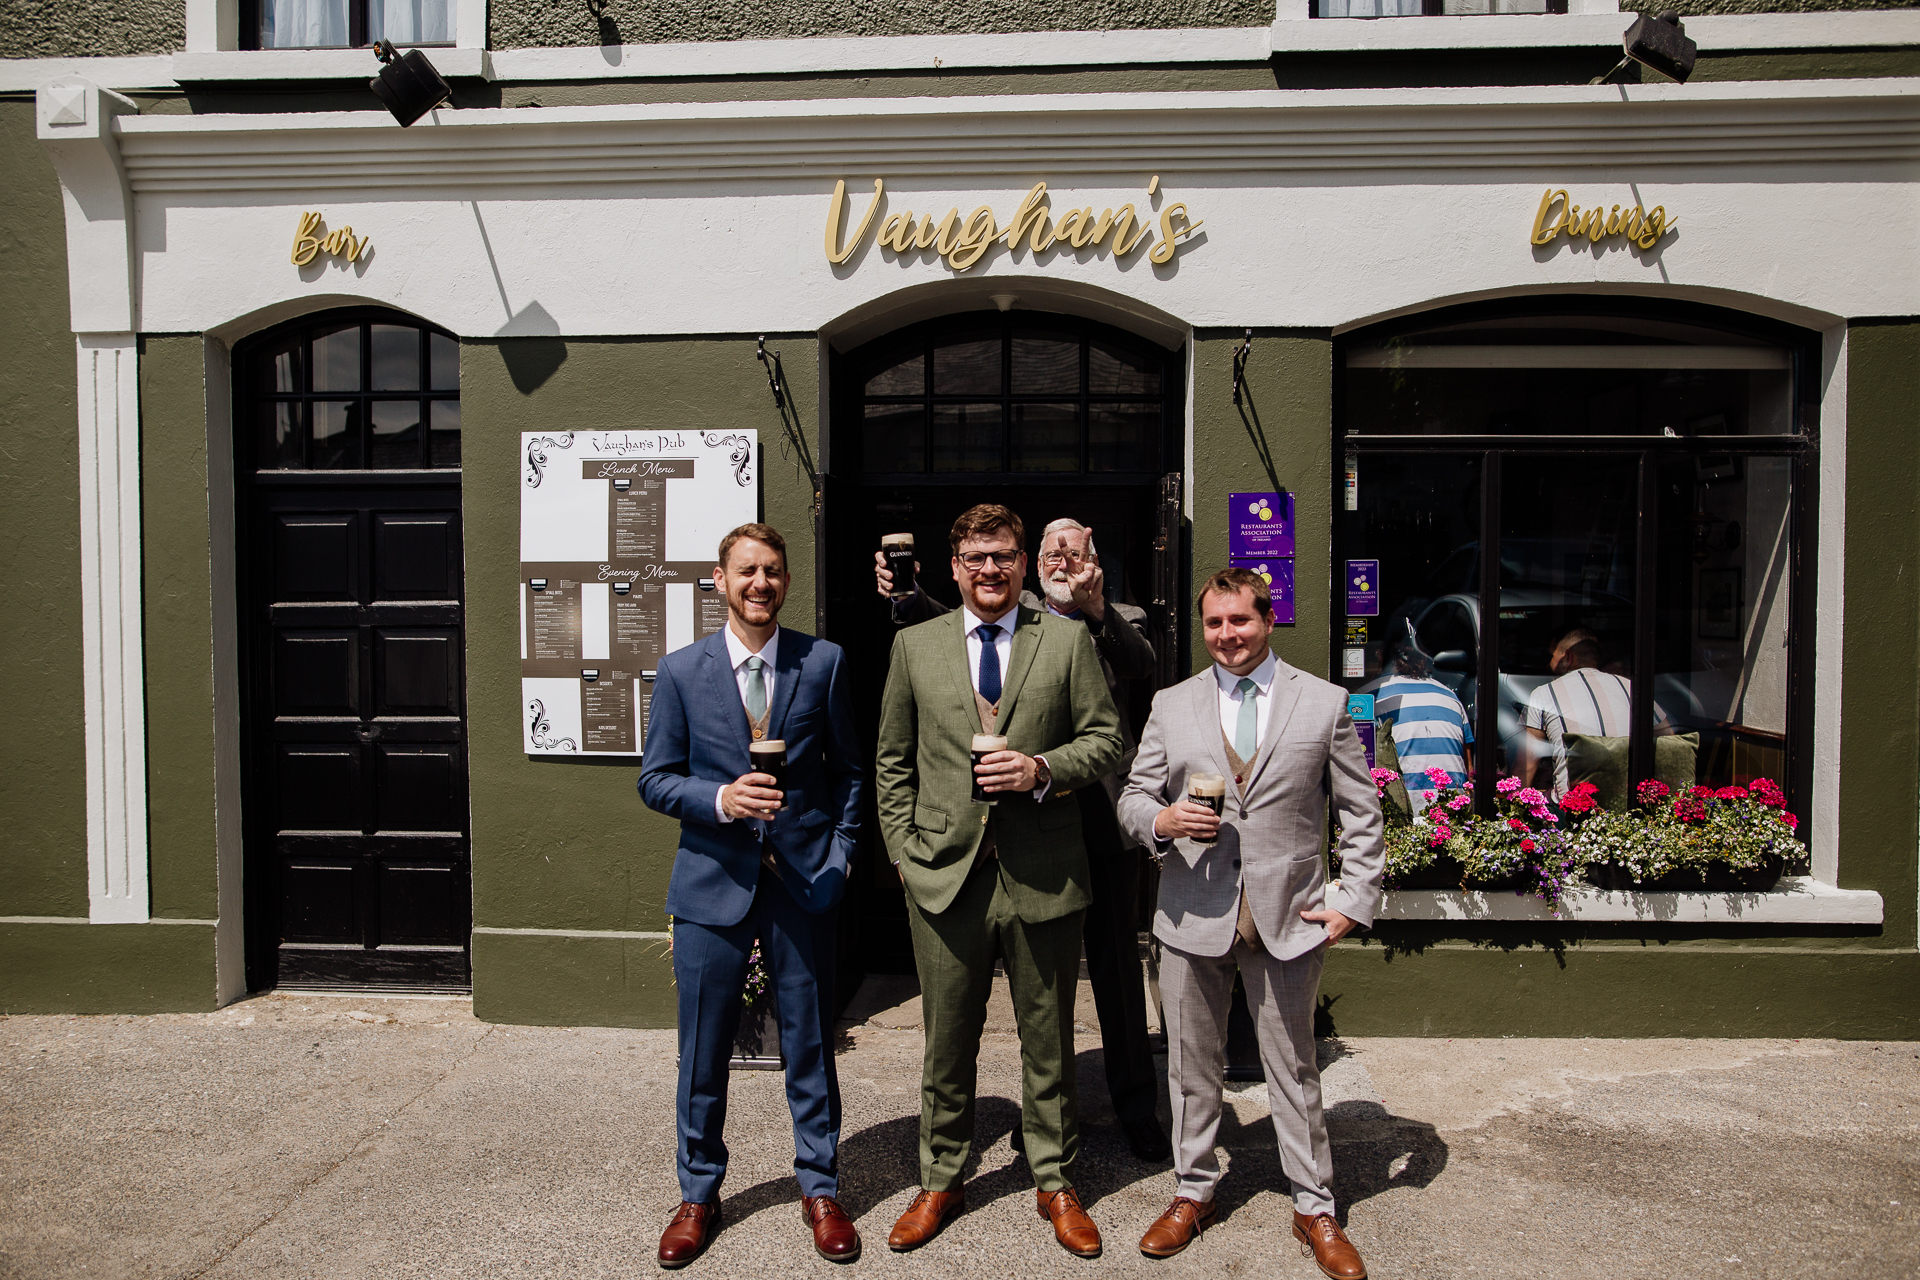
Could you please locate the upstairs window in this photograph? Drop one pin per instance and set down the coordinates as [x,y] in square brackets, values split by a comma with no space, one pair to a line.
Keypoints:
[1430,8]
[344,24]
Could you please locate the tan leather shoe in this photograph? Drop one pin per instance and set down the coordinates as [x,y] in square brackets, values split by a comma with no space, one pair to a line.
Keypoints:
[1178,1227]
[923,1219]
[834,1235]
[1071,1225]
[1332,1252]
[688,1232]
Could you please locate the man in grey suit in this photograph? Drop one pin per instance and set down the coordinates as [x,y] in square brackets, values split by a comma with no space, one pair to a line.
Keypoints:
[1073,585]
[1246,891]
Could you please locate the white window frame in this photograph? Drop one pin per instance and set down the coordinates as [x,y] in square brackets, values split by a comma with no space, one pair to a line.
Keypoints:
[213,50]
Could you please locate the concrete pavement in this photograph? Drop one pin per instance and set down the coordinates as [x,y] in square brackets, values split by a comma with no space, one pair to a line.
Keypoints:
[294,1135]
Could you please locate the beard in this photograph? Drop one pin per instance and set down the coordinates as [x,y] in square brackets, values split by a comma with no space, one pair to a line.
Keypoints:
[1059,594]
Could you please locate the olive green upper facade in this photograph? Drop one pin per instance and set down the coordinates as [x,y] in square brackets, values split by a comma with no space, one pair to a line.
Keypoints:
[566,906]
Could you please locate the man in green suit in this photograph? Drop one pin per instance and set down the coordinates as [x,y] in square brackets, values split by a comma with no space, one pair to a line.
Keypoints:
[1006,878]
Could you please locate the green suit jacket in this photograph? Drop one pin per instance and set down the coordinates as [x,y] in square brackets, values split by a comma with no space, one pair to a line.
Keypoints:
[1054,703]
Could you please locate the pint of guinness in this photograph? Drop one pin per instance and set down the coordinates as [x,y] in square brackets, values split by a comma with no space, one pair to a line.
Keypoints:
[769,756]
[1209,789]
[985,744]
[898,549]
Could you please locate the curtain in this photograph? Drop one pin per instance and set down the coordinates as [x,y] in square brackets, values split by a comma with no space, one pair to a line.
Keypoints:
[303,24]
[410,21]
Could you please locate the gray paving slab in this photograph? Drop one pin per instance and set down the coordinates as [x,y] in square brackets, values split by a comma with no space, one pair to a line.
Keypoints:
[296,1135]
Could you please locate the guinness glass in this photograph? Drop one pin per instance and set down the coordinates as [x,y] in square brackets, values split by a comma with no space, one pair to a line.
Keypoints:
[1209,789]
[898,549]
[985,744]
[769,756]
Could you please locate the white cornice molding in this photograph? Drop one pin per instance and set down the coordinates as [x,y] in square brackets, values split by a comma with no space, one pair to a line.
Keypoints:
[509,153]
[1893,28]
[74,120]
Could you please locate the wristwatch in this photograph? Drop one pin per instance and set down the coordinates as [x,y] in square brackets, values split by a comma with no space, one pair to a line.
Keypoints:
[1042,776]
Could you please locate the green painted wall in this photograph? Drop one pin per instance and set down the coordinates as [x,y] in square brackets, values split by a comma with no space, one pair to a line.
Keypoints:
[106,968]
[566,844]
[43,806]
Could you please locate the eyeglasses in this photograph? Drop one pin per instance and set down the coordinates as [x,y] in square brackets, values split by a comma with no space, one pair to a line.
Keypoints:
[1054,558]
[975,561]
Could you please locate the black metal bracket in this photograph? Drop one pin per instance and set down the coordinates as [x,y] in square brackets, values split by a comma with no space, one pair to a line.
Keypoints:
[772,361]
[1240,354]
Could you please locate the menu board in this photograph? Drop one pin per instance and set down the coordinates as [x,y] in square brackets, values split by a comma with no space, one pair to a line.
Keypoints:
[618,534]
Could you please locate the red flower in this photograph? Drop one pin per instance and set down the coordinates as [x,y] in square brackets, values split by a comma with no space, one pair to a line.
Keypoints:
[1793,823]
[1576,801]
[1690,808]
[1705,793]
[1651,791]
[1584,789]
[1526,846]
[1767,792]
[1516,824]
[1730,793]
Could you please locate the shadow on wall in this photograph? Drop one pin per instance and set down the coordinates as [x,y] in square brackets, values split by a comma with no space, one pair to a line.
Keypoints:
[538,350]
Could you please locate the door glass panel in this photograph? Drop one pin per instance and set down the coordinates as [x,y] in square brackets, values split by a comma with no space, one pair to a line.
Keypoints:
[908,378]
[1567,553]
[1123,437]
[1113,372]
[1416,533]
[336,435]
[396,358]
[445,439]
[1725,594]
[276,370]
[336,359]
[444,352]
[396,433]
[967,437]
[894,438]
[968,369]
[1046,437]
[278,435]
[1046,366]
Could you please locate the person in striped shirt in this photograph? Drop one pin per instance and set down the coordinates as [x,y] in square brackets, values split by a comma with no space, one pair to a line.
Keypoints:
[1581,699]
[1429,726]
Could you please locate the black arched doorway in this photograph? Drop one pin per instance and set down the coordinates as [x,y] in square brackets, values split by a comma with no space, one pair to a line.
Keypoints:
[351,621]
[1053,416]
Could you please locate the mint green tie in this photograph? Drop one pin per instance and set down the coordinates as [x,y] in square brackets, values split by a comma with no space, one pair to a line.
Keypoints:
[756,688]
[1245,734]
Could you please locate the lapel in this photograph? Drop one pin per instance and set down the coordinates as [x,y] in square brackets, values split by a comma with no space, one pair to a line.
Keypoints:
[1206,714]
[956,647]
[1026,642]
[1286,696]
[786,674]
[725,692]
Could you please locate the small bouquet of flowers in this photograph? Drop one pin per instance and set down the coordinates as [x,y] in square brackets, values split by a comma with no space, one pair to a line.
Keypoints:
[1726,837]
[1525,843]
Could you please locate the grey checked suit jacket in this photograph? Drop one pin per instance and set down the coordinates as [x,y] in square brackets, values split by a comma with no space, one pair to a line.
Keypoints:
[1273,841]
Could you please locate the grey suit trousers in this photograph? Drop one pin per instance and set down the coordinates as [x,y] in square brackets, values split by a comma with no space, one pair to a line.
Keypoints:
[1196,992]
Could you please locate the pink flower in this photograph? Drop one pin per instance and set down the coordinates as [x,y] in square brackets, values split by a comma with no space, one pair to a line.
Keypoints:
[1438,777]
[1584,789]
[1651,791]
[1384,778]
[1767,792]
[1507,786]
[1439,837]
[1543,814]
[1459,802]
[1730,793]
[1793,823]
[1690,808]
[1530,799]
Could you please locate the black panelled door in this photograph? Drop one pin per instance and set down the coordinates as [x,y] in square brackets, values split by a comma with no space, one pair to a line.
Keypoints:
[358,868]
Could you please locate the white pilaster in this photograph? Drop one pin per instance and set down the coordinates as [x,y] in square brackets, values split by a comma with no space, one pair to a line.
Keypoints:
[111,628]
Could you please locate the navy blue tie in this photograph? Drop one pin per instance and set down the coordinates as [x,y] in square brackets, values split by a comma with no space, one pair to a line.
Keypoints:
[989,662]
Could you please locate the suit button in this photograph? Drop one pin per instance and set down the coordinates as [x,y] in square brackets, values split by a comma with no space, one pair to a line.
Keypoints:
[983,819]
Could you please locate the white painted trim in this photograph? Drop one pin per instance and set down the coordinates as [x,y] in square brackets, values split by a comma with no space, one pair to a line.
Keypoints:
[316,64]
[111,644]
[1596,26]
[1830,608]
[626,934]
[98,205]
[1862,28]
[229,941]
[885,53]
[205,924]
[147,71]
[470,24]
[1797,900]
[212,24]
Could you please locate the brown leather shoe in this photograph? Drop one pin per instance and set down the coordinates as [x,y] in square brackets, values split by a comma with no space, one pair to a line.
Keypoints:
[1178,1227]
[1335,1255]
[686,1236]
[924,1218]
[1071,1225]
[834,1236]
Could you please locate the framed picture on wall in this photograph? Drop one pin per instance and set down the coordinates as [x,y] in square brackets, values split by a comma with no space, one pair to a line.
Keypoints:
[1720,604]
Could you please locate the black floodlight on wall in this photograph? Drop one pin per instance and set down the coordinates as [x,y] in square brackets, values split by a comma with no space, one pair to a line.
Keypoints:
[1658,41]
[407,83]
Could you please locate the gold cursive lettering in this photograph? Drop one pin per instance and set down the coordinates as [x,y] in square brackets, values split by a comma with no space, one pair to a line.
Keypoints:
[836,254]
[1170,235]
[1031,216]
[340,242]
[305,246]
[976,237]
[1640,227]
[896,233]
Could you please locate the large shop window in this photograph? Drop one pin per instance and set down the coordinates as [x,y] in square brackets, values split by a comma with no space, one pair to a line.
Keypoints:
[1642,477]
[343,24]
[356,394]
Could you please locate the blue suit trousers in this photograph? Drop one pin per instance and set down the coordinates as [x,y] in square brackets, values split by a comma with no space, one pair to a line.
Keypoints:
[709,968]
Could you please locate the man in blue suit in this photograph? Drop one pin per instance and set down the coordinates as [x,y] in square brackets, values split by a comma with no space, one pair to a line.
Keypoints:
[755,863]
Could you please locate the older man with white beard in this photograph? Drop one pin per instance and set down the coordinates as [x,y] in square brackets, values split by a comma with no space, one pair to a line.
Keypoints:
[1073,586]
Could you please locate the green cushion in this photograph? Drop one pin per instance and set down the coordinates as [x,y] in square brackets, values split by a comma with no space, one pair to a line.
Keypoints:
[1603,762]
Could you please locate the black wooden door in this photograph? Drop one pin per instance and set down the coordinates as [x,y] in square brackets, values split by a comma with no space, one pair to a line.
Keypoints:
[360,776]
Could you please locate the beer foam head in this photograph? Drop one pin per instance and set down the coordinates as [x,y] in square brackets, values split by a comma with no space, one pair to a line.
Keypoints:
[1206,784]
[988,742]
[898,540]
[768,746]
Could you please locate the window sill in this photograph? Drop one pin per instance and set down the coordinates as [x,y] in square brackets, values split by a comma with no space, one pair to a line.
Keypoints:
[1795,900]
[231,65]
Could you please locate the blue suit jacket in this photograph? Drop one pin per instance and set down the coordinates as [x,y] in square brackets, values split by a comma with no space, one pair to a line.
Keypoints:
[697,739]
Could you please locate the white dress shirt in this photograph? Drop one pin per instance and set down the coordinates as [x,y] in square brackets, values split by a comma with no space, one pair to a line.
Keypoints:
[1002,645]
[1262,695]
[737,654]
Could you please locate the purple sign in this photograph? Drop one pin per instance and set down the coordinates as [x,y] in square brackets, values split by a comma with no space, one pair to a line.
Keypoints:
[1363,729]
[1260,524]
[1363,588]
[1278,571]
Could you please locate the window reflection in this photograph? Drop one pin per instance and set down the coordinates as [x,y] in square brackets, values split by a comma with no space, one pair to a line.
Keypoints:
[1046,437]
[967,437]
[967,369]
[336,359]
